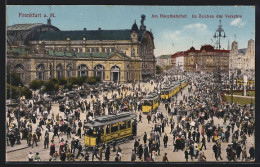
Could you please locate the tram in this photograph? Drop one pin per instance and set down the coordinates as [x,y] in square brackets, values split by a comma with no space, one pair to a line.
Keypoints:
[241,82]
[108,128]
[170,91]
[150,103]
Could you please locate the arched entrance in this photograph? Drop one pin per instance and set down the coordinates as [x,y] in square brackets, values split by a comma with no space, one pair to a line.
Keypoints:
[59,71]
[19,69]
[40,71]
[69,70]
[82,70]
[100,71]
[115,74]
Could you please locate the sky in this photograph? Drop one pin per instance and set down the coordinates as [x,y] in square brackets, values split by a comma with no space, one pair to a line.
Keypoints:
[170,34]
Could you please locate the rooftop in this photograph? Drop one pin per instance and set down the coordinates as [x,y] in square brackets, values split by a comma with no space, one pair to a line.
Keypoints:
[24,27]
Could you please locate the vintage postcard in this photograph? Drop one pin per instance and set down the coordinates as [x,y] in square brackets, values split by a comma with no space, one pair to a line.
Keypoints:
[122,83]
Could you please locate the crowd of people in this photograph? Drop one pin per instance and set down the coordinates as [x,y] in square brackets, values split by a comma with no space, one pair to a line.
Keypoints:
[190,119]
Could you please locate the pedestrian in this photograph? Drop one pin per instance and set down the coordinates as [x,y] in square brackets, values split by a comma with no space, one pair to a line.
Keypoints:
[136,144]
[133,156]
[63,156]
[94,153]
[165,140]
[186,153]
[79,151]
[140,118]
[107,153]
[244,154]
[100,152]
[34,139]
[215,150]
[145,137]
[79,132]
[29,139]
[238,151]
[252,152]
[165,159]
[203,141]
[46,140]
[37,157]
[52,148]
[140,151]
[30,156]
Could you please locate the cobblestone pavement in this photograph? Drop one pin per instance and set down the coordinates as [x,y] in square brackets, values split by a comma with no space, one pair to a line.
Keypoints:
[127,146]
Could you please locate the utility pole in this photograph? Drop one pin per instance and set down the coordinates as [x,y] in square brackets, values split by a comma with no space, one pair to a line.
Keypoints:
[18,117]
[232,87]
[10,84]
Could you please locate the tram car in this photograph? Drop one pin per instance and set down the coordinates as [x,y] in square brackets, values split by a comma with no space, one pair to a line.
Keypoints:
[249,82]
[170,91]
[108,128]
[150,103]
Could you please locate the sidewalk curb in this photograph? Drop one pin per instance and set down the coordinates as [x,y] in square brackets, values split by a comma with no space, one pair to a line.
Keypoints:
[17,149]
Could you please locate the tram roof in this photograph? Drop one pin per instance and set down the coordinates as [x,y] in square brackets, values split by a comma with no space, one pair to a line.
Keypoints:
[110,119]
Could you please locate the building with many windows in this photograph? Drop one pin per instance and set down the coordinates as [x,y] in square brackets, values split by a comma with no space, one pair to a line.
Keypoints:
[242,61]
[207,59]
[43,51]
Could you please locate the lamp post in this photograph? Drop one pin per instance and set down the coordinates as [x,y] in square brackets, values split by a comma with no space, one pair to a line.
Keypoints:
[232,77]
[10,84]
[18,117]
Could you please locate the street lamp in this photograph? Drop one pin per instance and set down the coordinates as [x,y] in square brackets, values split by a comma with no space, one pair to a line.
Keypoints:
[18,118]
[10,84]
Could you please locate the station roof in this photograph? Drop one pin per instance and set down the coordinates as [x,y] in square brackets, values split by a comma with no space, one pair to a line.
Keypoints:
[24,27]
[88,34]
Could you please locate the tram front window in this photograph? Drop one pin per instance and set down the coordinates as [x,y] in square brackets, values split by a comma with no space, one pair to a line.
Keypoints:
[147,103]
[89,131]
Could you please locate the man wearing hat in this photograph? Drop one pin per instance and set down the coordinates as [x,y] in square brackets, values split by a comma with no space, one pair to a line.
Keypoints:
[165,140]
[252,152]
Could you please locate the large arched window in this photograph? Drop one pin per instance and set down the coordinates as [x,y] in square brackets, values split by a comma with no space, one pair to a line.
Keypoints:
[82,70]
[69,70]
[99,71]
[19,69]
[40,71]
[59,71]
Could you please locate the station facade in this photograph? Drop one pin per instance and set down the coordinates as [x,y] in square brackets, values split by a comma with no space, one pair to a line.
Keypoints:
[43,51]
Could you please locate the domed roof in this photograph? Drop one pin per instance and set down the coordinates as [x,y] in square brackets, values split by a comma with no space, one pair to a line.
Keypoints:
[192,49]
[207,48]
[134,27]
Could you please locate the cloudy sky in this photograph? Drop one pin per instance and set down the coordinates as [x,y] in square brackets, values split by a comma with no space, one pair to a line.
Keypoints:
[170,34]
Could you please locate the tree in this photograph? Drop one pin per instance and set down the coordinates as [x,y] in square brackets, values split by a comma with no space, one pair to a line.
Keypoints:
[15,78]
[49,86]
[25,91]
[62,81]
[36,84]
[167,67]
[159,69]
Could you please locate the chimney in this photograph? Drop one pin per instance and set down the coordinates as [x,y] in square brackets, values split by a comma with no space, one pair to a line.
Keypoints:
[85,29]
[99,28]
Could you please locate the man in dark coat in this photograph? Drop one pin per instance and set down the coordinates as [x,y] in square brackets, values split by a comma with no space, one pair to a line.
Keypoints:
[252,152]
[145,137]
[238,151]
[140,151]
[107,153]
[165,140]
[186,154]
[215,150]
